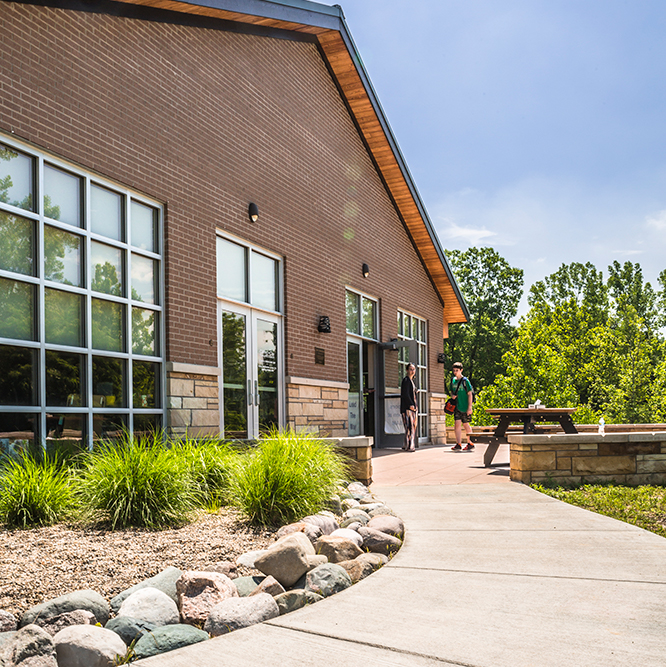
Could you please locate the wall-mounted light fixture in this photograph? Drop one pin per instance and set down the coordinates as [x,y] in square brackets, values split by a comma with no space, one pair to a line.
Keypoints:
[253,212]
[441,358]
[324,324]
[366,270]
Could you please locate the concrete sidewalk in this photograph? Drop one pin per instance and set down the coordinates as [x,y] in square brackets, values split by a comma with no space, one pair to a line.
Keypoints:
[490,575]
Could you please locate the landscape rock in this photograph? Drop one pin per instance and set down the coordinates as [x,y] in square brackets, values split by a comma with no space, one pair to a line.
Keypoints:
[224,567]
[269,585]
[381,511]
[31,646]
[391,525]
[352,524]
[327,579]
[286,561]
[300,538]
[168,638]
[128,628]
[292,600]
[326,523]
[369,498]
[4,638]
[357,569]
[247,559]
[356,512]
[378,542]
[348,503]
[378,560]
[334,504]
[368,507]
[77,617]
[314,561]
[337,549]
[348,534]
[151,605]
[88,646]
[199,592]
[237,613]
[357,490]
[8,622]
[245,585]
[360,518]
[165,581]
[85,599]
[310,530]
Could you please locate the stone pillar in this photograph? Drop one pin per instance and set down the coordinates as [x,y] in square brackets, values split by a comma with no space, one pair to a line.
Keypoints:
[437,419]
[193,400]
[317,406]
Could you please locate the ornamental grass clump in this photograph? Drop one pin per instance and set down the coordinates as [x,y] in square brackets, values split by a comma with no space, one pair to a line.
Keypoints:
[35,490]
[137,483]
[286,476]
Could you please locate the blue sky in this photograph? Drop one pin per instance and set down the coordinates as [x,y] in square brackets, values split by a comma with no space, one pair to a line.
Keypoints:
[534,127]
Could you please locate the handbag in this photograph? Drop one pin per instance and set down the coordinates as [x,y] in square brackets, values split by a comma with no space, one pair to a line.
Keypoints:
[452,403]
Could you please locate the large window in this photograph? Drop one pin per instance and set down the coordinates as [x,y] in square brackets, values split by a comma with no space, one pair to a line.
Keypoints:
[411,327]
[80,304]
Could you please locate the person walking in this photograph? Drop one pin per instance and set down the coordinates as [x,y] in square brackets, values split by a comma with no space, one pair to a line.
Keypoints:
[409,408]
[461,389]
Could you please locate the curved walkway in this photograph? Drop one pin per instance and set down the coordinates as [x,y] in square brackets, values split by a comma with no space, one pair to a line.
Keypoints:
[491,574]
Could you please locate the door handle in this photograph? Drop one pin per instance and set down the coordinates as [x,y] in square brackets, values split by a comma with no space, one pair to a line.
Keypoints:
[256,392]
[249,392]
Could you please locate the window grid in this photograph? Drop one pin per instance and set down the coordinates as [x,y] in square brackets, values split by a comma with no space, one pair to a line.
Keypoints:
[412,327]
[357,305]
[93,409]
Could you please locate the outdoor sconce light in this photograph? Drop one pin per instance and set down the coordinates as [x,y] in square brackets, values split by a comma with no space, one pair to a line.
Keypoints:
[441,358]
[324,324]
[366,270]
[253,212]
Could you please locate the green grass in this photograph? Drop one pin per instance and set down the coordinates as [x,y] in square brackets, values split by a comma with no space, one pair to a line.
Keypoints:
[35,491]
[643,506]
[140,483]
[285,477]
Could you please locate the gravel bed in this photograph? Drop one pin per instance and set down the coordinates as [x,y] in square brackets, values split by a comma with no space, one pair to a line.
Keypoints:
[43,563]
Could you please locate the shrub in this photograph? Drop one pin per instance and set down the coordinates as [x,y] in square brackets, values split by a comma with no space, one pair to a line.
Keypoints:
[35,490]
[287,476]
[139,483]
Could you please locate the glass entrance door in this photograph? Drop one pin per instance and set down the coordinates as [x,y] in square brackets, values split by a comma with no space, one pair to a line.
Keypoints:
[250,362]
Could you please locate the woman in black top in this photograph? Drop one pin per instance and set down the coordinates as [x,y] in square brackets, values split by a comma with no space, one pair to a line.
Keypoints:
[409,408]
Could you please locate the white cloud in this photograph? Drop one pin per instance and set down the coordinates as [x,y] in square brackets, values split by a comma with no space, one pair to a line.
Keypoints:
[628,253]
[657,221]
[466,235]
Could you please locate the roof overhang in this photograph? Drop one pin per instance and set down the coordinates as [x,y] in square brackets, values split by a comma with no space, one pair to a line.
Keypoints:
[327,26]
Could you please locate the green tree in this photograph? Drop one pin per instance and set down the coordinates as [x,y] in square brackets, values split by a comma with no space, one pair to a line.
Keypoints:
[492,289]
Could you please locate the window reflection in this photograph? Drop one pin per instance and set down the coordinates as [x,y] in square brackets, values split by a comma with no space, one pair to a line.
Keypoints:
[18,432]
[66,433]
[234,375]
[62,256]
[106,212]
[146,425]
[18,376]
[231,270]
[17,244]
[369,318]
[264,280]
[16,178]
[64,379]
[143,226]
[108,377]
[145,384]
[143,331]
[63,317]
[17,309]
[62,196]
[107,325]
[108,427]
[353,307]
[107,268]
[144,271]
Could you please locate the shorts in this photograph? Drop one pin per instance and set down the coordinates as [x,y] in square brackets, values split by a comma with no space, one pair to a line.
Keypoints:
[461,416]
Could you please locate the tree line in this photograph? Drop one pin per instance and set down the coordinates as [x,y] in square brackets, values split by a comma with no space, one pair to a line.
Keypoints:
[590,341]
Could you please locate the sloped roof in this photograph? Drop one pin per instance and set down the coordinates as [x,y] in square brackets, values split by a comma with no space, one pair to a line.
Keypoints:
[326,26]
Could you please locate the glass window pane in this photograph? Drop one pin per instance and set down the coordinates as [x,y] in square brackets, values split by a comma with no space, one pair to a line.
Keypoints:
[16,178]
[107,326]
[17,244]
[66,434]
[408,326]
[353,307]
[144,271]
[401,330]
[354,379]
[231,270]
[143,331]
[63,317]
[264,282]
[18,375]
[17,306]
[423,380]
[62,256]
[106,212]
[64,379]
[234,375]
[108,427]
[146,425]
[267,375]
[143,226]
[422,355]
[106,264]
[18,432]
[62,196]
[108,378]
[369,318]
[145,384]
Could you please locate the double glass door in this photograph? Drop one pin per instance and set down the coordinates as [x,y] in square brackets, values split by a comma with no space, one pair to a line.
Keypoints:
[250,348]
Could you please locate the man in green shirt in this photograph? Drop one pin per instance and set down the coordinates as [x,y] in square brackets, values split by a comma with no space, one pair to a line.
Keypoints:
[461,389]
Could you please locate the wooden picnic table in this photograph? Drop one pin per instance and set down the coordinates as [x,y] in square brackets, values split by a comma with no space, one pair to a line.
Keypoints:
[529,417]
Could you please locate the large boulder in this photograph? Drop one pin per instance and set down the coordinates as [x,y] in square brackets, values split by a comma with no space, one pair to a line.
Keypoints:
[31,646]
[369,507]
[381,511]
[237,613]
[168,638]
[85,599]
[337,549]
[357,569]
[8,621]
[165,581]
[151,605]
[88,646]
[225,567]
[327,579]
[349,534]
[269,585]
[312,532]
[314,561]
[199,592]
[358,489]
[348,503]
[245,585]
[378,542]
[77,617]
[286,561]
[292,600]
[300,538]
[248,558]
[352,522]
[324,520]
[4,638]
[354,512]
[385,523]
[128,628]
[378,560]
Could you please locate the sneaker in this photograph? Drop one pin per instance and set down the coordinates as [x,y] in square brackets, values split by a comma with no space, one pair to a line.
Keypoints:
[456,448]
[468,448]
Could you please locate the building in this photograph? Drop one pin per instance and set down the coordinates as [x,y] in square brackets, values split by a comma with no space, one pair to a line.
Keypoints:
[206,224]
